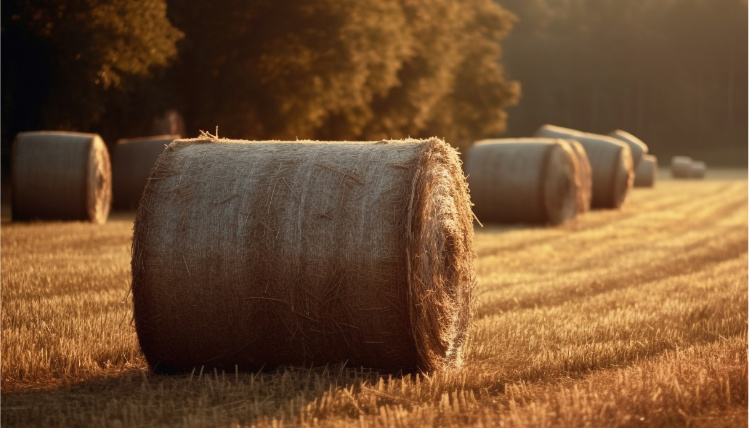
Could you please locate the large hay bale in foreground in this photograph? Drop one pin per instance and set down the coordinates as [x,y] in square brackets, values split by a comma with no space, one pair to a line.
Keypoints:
[60,176]
[681,167]
[585,191]
[636,146]
[698,169]
[260,254]
[132,160]
[647,172]
[523,180]
[610,163]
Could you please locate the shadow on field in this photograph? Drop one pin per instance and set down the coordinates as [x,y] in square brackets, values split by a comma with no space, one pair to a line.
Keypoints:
[211,397]
[695,258]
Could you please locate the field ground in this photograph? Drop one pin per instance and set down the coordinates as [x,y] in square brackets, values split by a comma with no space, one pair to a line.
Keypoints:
[635,317]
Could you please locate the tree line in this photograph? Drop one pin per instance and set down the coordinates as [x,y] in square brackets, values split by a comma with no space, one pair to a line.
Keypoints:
[673,72]
[267,69]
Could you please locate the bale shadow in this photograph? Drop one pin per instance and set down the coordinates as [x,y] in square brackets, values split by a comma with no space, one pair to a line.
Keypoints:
[203,397]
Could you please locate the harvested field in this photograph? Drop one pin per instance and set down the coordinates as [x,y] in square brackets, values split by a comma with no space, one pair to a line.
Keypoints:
[633,317]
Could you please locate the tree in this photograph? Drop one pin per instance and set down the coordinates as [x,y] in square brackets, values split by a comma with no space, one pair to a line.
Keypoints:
[673,72]
[281,69]
[66,64]
[475,108]
[343,69]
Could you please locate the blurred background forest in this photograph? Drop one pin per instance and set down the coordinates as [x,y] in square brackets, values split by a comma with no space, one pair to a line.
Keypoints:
[673,72]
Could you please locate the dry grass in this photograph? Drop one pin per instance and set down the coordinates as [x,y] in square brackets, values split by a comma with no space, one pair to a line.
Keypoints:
[635,317]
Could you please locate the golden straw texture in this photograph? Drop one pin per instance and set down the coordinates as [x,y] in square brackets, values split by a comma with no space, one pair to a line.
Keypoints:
[681,167]
[60,176]
[636,146]
[261,254]
[523,180]
[132,160]
[647,172]
[610,163]
[585,191]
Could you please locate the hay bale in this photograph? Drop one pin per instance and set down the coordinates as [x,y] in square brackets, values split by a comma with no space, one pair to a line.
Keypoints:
[523,180]
[263,254]
[647,172]
[60,176]
[636,146]
[610,163]
[698,169]
[171,123]
[585,190]
[681,167]
[132,160]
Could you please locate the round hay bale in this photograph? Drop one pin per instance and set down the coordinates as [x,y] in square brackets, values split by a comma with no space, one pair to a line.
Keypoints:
[171,123]
[132,160]
[60,176]
[636,146]
[610,163]
[261,254]
[698,169]
[585,190]
[681,167]
[647,171]
[523,180]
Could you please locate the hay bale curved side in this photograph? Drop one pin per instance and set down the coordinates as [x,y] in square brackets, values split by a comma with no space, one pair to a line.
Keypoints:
[681,167]
[523,180]
[698,169]
[646,172]
[132,160]
[262,254]
[585,190]
[60,176]
[636,146]
[610,163]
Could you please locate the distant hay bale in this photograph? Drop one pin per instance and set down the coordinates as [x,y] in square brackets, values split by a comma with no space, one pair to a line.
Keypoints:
[261,254]
[132,160]
[60,176]
[523,180]
[636,146]
[171,123]
[698,169]
[610,163]
[647,172]
[585,190]
[681,167]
